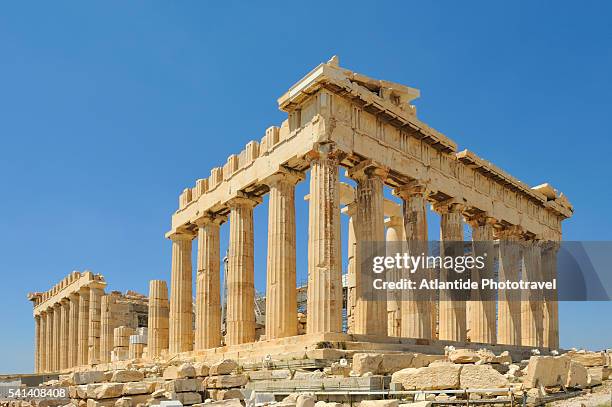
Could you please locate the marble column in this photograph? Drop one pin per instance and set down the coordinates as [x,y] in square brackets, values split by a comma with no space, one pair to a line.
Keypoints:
[43,342]
[509,301]
[158,318]
[83,331]
[240,278]
[64,330]
[550,310]
[371,304]
[324,297]
[352,251]
[73,330]
[394,239]
[208,284]
[57,326]
[95,297]
[49,341]
[181,297]
[107,326]
[453,317]
[532,317]
[483,304]
[417,308]
[37,353]
[281,294]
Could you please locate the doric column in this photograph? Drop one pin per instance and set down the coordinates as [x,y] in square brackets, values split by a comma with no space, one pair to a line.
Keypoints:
[43,342]
[240,279]
[83,332]
[417,308]
[324,301]
[95,297]
[73,330]
[49,341]
[181,305]
[37,334]
[550,304]
[371,305]
[57,326]
[532,328]
[351,300]
[158,318]
[107,326]
[208,284]
[509,301]
[64,330]
[482,306]
[281,294]
[394,240]
[453,318]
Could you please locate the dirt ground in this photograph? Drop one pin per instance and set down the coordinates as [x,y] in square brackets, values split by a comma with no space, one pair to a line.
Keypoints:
[600,397]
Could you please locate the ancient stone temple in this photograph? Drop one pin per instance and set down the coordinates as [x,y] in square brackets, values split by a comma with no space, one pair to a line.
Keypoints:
[339,119]
[75,321]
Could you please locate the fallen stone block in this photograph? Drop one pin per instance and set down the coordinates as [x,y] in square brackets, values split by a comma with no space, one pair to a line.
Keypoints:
[183,385]
[225,381]
[305,400]
[481,377]
[546,371]
[423,360]
[189,398]
[87,377]
[270,374]
[463,356]
[379,403]
[101,403]
[367,362]
[133,388]
[588,359]
[104,390]
[223,403]
[179,372]
[577,375]
[225,366]
[227,394]
[392,362]
[123,376]
[487,356]
[430,378]
[170,403]
[595,376]
[201,369]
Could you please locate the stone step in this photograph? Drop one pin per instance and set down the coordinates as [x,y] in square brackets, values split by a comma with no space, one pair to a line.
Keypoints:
[370,383]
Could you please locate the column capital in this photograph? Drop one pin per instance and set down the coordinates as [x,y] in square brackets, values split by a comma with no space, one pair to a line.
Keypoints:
[210,218]
[243,200]
[83,290]
[368,169]
[284,175]
[449,206]
[73,296]
[323,151]
[180,236]
[57,305]
[412,188]
[481,219]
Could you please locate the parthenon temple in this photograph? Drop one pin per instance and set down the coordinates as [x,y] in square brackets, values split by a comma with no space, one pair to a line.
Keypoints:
[399,169]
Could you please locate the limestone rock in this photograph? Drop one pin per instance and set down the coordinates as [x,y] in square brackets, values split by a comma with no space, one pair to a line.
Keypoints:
[423,360]
[392,362]
[379,403]
[87,377]
[189,398]
[430,378]
[124,402]
[179,372]
[595,376]
[123,376]
[201,369]
[487,356]
[225,366]
[588,359]
[305,400]
[223,403]
[577,375]
[546,371]
[481,377]
[132,388]
[367,362]
[463,356]
[182,385]
[104,390]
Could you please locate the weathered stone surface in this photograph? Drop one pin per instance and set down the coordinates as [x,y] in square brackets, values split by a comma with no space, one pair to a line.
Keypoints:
[392,362]
[546,371]
[201,369]
[104,390]
[101,403]
[487,356]
[179,372]
[379,403]
[225,381]
[270,374]
[132,388]
[423,360]
[327,404]
[429,378]
[367,362]
[224,403]
[577,375]
[588,359]
[123,376]
[481,377]
[228,394]
[300,375]
[189,398]
[595,376]
[338,370]
[305,400]
[183,385]
[223,367]
[463,356]
[87,377]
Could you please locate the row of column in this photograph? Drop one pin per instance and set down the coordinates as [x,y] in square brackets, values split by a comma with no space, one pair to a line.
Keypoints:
[68,333]
[404,316]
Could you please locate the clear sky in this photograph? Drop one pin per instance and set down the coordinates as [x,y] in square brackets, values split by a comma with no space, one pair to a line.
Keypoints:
[109,109]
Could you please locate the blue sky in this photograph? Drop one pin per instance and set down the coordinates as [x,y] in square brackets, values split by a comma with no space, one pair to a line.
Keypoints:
[109,109]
